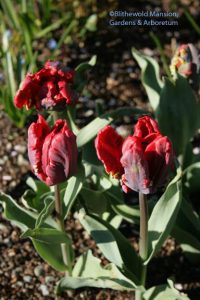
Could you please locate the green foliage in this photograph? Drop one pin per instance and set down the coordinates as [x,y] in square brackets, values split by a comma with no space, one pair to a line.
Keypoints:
[163,216]
[89,272]
[87,133]
[150,77]
[187,231]
[113,245]
[164,292]
[178,105]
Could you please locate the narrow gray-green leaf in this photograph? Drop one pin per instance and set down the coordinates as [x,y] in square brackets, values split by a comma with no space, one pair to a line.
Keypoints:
[178,106]
[74,187]
[113,244]
[47,235]
[50,253]
[164,292]
[89,272]
[164,216]
[91,130]
[46,211]
[150,77]
[13,212]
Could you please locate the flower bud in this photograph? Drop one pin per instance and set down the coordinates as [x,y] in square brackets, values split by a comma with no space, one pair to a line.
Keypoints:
[52,151]
[145,126]
[49,88]
[186,62]
[109,150]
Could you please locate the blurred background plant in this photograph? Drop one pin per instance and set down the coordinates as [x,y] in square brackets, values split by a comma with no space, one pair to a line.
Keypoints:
[26,26]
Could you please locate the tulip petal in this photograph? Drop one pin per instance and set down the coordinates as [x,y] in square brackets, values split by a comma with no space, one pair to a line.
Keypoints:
[109,150]
[160,158]
[136,173]
[145,126]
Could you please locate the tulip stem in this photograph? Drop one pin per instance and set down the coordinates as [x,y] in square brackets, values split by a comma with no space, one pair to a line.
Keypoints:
[64,247]
[58,208]
[143,242]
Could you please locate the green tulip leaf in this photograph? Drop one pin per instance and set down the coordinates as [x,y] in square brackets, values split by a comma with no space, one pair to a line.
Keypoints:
[25,220]
[178,106]
[74,187]
[51,254]
[87,133]
[19,216]
[89,272]
[113,245]
[164,216]
[47,235]
[164,292]
[187,231]
[34,198]
[150,77]
[49,203]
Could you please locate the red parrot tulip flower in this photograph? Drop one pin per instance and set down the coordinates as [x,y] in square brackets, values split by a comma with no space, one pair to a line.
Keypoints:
[49,88]
[109,150]
[52,151]
[142,161]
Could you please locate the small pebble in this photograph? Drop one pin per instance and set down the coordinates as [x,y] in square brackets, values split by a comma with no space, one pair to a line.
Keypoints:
[44,290]
[13,153]
[49,279]
[7,177]
[39,271]
[20,148]
[8,146]
[178,286]
[21,161]
[1,161]
[196,150]
[88,113]
[27,278]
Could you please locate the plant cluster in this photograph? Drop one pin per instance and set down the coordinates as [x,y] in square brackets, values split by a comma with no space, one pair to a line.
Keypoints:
[67,161]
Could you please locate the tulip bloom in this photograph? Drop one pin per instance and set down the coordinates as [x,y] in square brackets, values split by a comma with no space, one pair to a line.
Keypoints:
[109,150]
[186,62]
[50,88]
[52,151]
[146,163]
[144,159]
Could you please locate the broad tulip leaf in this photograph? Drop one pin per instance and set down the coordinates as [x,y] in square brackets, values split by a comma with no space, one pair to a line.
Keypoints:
[87,133]
[46,211]
[50,238]
[189,243]
[164,216]
[131,214]
[51,254]
[95,201]
[89,272]
[47,235]
[178,106]
[23,218]
[74,187]
[34,198]
[164,292]
[150,77]
[113,245]
[187,231]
